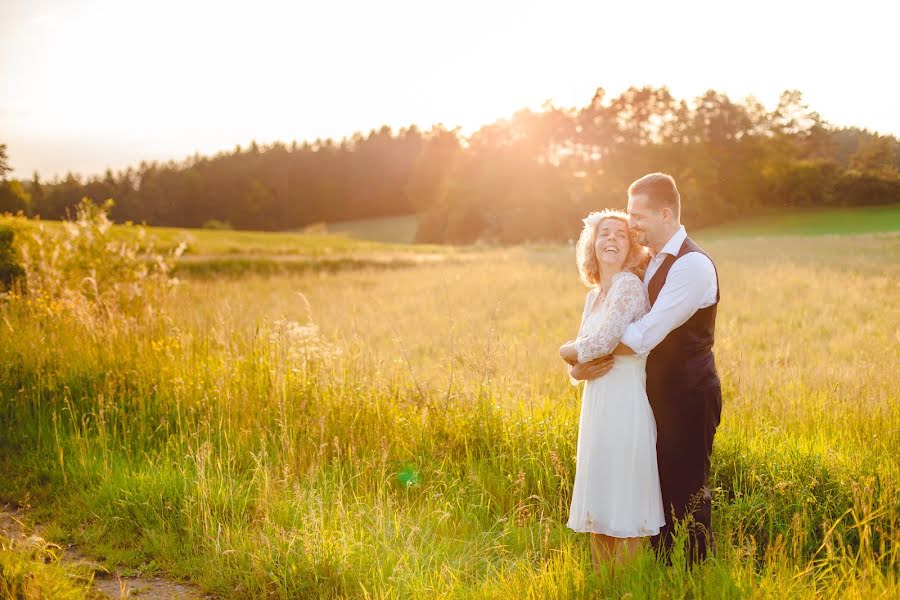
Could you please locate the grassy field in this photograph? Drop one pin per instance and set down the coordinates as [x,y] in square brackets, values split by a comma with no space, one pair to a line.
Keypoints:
[875,219]
[210,242]
[411,432]
[215,253]
[392,235]
[388,229]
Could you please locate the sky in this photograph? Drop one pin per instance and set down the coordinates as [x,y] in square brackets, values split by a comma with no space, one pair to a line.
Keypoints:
[87,85]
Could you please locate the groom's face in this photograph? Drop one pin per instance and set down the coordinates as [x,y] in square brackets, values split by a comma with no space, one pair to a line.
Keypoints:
[645,219]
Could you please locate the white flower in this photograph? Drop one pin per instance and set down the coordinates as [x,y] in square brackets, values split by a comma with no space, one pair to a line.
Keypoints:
[301,342]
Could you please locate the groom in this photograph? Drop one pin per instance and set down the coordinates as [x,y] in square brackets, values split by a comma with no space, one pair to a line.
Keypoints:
[677,337]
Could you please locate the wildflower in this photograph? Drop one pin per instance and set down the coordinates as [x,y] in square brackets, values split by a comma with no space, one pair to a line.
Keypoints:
[301,343]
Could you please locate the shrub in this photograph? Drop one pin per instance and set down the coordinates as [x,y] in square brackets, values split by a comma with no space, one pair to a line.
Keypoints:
[13,197]
[86,270]
[856,189]
[217,224]
[807,184]
[11,271]
[316,228]
[36,571]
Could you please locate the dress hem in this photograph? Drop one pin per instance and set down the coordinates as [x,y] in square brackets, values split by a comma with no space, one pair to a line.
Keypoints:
[617,534]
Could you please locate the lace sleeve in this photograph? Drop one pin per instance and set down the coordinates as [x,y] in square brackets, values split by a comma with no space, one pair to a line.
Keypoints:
[626,302]
[588,302]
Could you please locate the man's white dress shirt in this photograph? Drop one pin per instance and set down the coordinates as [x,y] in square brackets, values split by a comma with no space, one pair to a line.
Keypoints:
[690,286]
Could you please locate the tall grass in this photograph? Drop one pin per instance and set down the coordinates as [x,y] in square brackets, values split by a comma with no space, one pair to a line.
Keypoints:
[411,433]
[33,571]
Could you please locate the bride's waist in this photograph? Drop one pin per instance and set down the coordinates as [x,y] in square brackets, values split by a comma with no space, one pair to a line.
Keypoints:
[630,360]
[628,366]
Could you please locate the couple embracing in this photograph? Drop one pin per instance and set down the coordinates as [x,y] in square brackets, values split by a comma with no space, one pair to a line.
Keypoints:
[652,399]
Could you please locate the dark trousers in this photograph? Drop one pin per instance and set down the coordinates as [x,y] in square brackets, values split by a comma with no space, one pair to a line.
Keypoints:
[686,426]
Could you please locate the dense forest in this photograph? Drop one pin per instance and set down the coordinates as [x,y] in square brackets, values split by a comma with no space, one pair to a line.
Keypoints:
[528,177]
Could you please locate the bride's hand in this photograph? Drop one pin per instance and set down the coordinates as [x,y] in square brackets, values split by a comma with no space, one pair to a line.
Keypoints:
[568,353]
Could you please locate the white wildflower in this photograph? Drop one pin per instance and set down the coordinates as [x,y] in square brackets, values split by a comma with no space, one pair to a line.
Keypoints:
[301,343]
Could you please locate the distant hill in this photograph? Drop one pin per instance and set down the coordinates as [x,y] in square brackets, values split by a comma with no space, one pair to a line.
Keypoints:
[395,230]
[870,219]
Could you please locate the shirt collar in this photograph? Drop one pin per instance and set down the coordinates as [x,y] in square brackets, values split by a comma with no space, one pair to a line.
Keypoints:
[674,244]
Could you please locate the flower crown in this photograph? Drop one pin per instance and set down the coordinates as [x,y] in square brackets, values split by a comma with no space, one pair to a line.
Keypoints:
[595,217]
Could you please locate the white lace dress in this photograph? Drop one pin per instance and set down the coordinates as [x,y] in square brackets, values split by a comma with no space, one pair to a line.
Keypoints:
[616,489]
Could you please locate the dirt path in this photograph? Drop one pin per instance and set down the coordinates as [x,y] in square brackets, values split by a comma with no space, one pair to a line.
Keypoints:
[107,584]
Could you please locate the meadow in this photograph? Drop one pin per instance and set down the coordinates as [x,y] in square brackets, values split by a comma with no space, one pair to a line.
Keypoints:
[385,229]
[410,432]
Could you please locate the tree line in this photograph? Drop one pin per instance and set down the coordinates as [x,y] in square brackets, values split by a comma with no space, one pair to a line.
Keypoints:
[528,177]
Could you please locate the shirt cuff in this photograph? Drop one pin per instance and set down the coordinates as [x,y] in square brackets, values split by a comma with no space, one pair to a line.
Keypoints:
[633,339]
[572,380]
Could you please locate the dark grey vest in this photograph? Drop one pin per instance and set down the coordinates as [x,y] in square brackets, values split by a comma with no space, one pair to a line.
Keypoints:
[683,361]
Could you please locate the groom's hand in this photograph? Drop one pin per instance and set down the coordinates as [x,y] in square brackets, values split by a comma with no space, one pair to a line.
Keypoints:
[593,369]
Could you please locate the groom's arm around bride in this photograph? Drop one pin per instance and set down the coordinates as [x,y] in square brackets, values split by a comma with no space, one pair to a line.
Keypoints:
[676,336]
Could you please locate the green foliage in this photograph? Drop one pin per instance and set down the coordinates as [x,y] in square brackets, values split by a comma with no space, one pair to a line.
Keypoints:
[4,163]
[216,224]
[526,178]
[853,189]
[877,157]
[11,270]
[14,198]
[84,271]
[34,571]
[808,183]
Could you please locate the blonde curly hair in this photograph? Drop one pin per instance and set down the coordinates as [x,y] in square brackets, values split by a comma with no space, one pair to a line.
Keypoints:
[589,266]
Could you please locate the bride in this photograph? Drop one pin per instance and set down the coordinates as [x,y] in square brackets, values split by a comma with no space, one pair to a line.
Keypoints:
[616,497]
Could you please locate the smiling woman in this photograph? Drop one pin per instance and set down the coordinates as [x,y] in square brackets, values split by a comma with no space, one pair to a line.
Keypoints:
[616,495]
[590,250]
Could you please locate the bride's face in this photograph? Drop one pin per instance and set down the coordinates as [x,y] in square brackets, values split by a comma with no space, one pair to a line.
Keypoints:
[611,243]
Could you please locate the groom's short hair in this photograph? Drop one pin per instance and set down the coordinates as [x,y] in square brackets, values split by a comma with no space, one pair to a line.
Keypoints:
[660,189]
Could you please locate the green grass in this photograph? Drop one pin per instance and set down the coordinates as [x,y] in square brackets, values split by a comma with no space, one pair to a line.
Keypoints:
[213,253]
[421,442]
[387,229]
[392,235]
[875,219]
[34,571]
[251,264]
[210,242]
